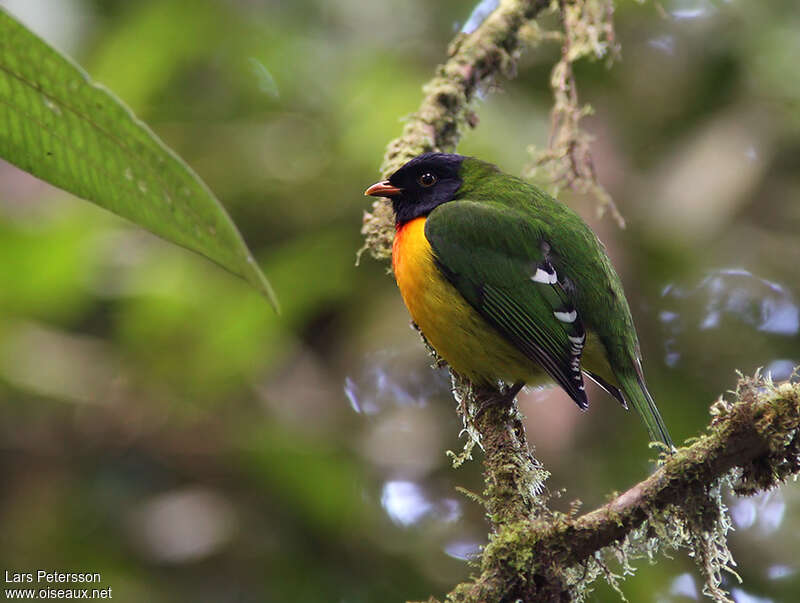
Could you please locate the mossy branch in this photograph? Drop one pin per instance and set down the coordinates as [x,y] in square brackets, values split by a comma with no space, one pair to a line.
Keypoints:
[587,31]
[752,444]
[757,433]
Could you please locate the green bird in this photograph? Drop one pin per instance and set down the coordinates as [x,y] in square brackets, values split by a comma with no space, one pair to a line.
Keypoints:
[510,285]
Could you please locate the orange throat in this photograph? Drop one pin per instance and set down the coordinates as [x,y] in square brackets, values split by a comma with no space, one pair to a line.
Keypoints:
[401,235]
[450,324]
[412,263]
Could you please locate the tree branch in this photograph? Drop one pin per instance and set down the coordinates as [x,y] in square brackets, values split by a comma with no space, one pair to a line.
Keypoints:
[756,433]
[753,443]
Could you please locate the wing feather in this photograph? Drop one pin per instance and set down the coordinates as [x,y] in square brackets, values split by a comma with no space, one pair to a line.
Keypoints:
[497,258]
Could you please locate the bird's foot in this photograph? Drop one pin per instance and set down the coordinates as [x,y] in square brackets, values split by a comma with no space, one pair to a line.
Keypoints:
[489,398]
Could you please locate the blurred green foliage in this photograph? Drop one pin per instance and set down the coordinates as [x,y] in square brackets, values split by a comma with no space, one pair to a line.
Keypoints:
[159,424]
[59,126]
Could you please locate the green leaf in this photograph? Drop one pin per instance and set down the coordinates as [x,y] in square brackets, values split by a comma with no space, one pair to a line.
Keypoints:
[61,127]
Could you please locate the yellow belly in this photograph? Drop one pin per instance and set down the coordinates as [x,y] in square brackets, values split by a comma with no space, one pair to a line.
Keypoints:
[469,344]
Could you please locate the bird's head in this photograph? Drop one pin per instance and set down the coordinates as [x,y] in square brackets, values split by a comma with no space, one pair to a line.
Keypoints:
[420,185]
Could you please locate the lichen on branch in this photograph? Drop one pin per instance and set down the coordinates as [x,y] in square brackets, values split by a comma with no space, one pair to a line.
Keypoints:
[752,444]
[587,32]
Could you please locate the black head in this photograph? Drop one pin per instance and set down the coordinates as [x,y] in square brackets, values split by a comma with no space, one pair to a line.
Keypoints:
[420,185]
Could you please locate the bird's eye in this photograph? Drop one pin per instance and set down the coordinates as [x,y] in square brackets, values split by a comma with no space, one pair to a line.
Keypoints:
[427,179]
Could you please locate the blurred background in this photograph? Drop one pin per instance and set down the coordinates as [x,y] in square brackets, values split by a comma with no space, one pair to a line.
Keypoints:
[159,424]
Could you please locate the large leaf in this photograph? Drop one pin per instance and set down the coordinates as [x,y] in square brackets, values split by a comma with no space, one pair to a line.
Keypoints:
[61,127]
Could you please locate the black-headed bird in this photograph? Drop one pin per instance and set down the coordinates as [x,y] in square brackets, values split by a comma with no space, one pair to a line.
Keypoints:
[509,285]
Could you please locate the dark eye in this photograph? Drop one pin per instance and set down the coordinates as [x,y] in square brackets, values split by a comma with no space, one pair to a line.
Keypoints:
[427,179]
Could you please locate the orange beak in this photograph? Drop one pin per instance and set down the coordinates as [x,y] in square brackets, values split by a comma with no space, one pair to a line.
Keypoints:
[383,189]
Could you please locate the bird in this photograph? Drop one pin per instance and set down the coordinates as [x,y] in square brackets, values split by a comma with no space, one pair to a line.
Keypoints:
[510,286]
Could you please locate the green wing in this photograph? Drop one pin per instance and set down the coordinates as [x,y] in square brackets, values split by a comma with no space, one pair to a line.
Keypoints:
[499,260]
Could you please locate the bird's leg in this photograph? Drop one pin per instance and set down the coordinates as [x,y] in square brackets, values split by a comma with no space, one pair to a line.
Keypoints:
[490,398]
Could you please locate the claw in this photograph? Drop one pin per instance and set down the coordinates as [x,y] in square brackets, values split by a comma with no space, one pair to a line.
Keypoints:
[491,398]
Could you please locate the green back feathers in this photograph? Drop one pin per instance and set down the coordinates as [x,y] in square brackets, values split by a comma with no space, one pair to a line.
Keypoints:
[491,254]
[536,272]
[574,249]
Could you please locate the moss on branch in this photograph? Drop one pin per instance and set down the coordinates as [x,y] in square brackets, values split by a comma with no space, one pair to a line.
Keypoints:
[752,444]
